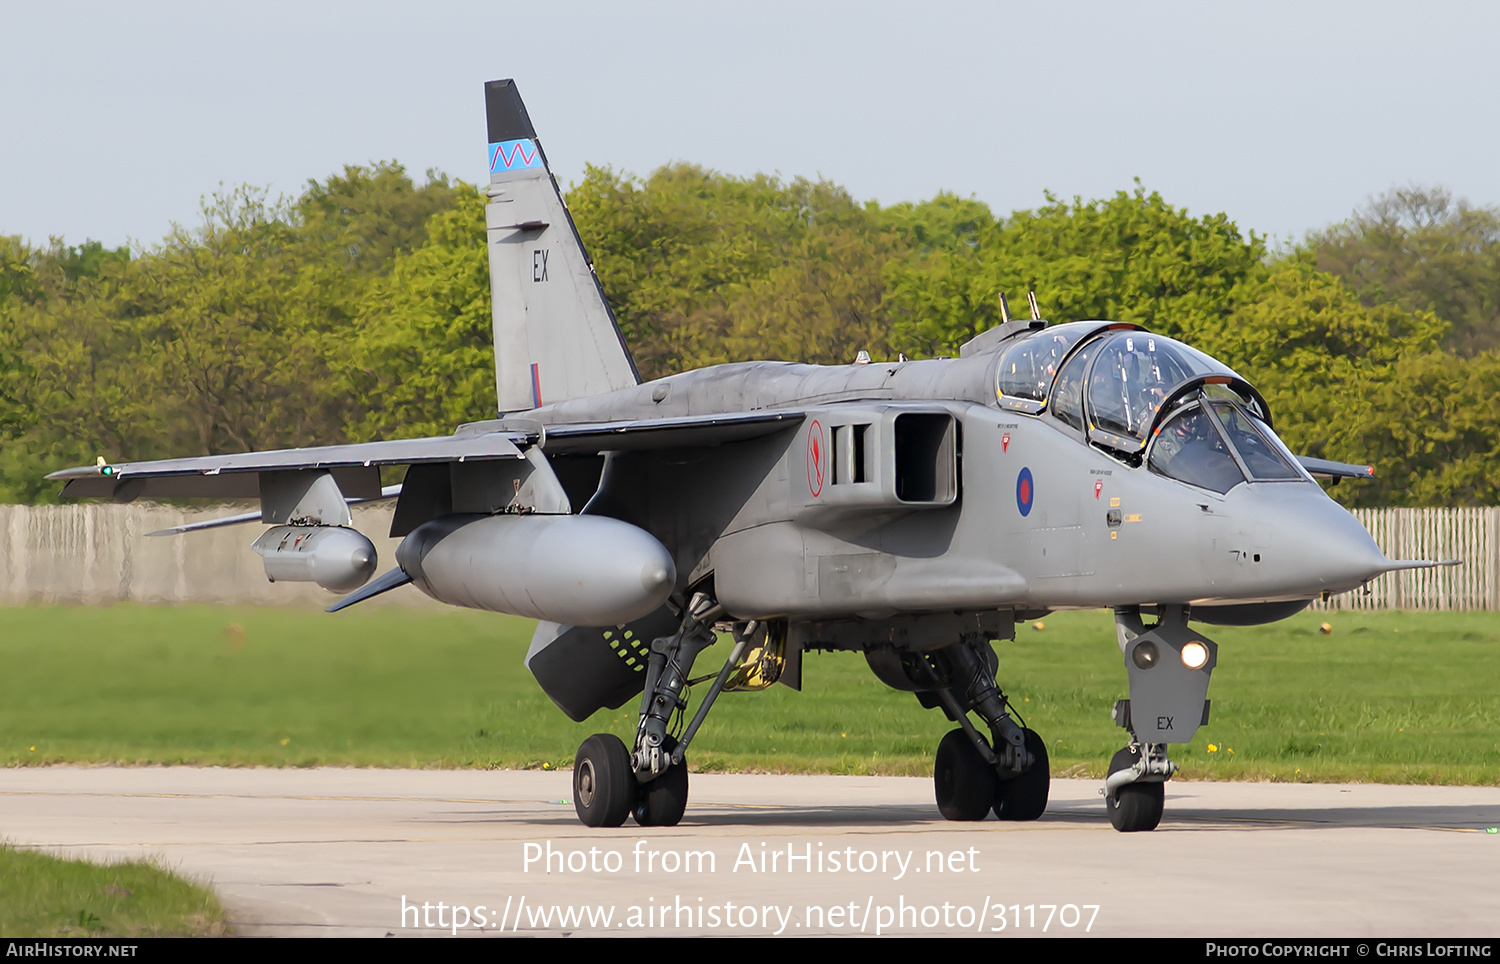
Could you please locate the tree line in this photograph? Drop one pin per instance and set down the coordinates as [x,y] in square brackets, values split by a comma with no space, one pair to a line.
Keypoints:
[360,310]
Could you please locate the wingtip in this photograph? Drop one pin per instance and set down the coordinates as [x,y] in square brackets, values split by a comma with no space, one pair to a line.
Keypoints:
[77,472]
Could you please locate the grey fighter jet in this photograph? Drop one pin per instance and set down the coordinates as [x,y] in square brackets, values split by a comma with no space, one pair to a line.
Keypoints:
[911,511]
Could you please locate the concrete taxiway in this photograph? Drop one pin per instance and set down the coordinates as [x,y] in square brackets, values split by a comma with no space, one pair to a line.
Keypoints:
[431,852]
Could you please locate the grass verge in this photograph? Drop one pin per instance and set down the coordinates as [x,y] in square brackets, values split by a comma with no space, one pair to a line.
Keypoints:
[46,896]
[1387,697]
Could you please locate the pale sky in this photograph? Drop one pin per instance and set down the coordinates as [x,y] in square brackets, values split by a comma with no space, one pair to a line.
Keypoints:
[119,117]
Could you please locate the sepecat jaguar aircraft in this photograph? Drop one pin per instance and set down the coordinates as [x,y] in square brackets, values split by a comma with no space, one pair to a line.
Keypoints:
[911,511]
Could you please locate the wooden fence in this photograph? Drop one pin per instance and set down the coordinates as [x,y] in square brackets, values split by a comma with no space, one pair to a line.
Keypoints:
[98,553]
[1469,535]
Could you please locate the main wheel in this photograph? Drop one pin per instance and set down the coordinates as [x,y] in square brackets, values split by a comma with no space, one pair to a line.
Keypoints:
[603,781]
[1135,806]
[662,802]
[965,784]
[1025,797]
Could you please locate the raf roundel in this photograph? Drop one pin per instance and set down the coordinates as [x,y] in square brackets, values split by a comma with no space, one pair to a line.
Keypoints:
[1025,490]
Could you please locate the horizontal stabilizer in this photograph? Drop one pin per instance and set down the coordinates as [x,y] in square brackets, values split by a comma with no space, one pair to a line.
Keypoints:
[385,582]
[1324,469]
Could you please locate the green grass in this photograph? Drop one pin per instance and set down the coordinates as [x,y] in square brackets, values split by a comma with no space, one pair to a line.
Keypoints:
[1390,697]
[44,896]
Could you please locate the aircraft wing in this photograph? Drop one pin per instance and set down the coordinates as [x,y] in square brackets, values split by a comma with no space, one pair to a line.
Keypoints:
[355,467]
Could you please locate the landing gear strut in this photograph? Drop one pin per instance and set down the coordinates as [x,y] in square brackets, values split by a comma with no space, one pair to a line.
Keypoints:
[650,783]
[973,775]
[1169,666]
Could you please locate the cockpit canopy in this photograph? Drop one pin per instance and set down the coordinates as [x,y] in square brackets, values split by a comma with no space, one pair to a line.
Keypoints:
[1029,365]
[1126,389]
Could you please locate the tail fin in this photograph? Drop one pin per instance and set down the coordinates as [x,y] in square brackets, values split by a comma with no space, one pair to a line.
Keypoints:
[555,337]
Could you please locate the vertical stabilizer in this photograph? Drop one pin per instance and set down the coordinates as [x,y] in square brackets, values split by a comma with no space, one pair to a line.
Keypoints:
[555,337]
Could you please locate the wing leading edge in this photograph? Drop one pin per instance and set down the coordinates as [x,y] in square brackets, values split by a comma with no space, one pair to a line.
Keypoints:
[356,467]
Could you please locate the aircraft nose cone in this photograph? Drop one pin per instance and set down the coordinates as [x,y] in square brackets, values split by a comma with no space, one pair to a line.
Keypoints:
[1314,542]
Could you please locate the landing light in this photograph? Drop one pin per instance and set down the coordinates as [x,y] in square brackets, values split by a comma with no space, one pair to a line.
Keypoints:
[1144,655]
[1194,655]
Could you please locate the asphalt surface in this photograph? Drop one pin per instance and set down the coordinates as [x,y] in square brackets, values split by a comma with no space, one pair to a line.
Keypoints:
[336,852]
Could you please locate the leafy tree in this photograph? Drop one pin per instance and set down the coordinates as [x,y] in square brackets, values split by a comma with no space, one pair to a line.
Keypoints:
[1422,249]
[688,257]
[822,306]
[66,360]
[424,358]
[365,217]
[1319,355]
[237,325]
[1132,257]
[1433,432]
[946,223]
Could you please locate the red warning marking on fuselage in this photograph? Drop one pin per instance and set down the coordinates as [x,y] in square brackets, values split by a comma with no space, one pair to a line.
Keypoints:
[1098,487]
[815,458]
[1005,442]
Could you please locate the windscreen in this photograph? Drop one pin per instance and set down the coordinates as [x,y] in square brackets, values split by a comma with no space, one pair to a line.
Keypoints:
[1217,444]
[1190,449]
[1250,439]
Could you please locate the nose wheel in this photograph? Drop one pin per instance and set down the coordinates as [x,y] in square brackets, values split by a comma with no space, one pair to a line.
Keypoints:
[1134,807]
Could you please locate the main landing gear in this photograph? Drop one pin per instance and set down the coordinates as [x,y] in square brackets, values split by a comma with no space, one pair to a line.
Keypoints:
[650,783]
[1169,666]
[973,775]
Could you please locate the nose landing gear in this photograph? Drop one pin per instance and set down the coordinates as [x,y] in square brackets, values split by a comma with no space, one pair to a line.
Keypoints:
[1169,666]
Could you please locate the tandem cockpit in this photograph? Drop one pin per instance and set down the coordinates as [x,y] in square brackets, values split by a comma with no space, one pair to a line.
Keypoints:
[1145,399]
